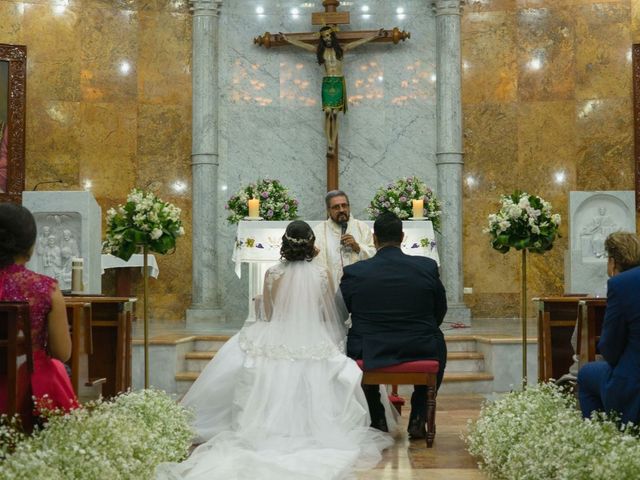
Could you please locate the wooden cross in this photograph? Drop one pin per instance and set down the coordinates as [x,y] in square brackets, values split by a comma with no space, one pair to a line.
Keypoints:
[332,91]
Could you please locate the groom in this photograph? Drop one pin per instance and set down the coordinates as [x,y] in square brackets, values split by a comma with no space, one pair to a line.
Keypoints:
[397,303]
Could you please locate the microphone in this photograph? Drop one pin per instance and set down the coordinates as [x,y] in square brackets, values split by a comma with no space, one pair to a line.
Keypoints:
[45,183]
[343,228]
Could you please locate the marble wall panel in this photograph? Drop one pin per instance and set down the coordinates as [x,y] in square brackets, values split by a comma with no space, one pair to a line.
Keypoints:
[603,67]
[546,60]
[12,14]
[53,69]
[569,128]
[604,159]
[109,55]
[547,145]
[53,141]
[164,58]
[489,68]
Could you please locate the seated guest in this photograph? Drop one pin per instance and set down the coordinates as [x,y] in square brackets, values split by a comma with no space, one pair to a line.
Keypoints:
[613,385]
[50,337]
[397,303]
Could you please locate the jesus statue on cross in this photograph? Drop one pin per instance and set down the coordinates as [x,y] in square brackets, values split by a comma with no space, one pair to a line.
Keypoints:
[329,53]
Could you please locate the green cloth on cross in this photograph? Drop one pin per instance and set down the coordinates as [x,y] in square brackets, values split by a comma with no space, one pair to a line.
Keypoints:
[334,93]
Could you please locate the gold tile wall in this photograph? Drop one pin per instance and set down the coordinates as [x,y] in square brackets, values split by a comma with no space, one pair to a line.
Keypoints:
[547,89]
[109,103]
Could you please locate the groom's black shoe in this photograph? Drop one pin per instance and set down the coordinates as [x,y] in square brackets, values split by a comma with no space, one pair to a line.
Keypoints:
[417,429]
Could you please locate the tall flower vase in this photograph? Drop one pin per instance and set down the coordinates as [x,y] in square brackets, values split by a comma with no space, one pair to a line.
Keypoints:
[145,314]
[524,222]
[523,315]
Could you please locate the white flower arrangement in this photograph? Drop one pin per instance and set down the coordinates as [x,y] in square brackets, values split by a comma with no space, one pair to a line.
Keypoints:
[143,220]
[539,433]
[523,222]
[125,438]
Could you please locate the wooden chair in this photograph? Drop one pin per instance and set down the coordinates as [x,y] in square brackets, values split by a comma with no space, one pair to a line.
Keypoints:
[422,372]
[79,317]
[15,355]
[591,317]
[557,317]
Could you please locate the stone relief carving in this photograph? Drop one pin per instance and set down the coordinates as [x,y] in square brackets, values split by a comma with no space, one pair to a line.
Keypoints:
[57,244]
[595,232]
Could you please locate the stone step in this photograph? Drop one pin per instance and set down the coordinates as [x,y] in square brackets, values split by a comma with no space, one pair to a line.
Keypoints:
[460,343]
[466,382]
[197,360]
[209,342]
[459,362]
[456,361]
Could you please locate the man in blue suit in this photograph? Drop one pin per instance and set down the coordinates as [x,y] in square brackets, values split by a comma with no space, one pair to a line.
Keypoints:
[613,385]
[397,303]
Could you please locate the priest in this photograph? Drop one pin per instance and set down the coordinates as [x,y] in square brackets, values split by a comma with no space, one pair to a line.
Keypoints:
[341,239]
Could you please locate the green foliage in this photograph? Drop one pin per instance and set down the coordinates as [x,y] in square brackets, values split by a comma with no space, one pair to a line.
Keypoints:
[523,222]
[122,439]
[397,198]
[275,201]
[143,220]
[539,433]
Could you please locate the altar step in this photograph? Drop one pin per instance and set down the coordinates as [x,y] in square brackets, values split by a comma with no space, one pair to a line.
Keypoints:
[465,370]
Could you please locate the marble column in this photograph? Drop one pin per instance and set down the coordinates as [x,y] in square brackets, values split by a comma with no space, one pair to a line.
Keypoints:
[204,163]
[449,151]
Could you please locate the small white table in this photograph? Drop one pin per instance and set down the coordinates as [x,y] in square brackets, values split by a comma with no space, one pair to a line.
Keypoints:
[258,244]
[136,260]
[123,274]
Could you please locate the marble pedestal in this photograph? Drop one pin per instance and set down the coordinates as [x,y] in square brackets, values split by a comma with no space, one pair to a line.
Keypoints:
[69,225]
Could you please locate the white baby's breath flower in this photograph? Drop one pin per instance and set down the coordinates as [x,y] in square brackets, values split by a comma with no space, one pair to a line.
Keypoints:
[155,234]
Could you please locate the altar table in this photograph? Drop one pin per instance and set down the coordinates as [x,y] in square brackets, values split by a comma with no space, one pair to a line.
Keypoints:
[258,244]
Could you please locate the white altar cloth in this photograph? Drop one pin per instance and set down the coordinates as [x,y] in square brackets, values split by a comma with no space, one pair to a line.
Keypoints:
[260,241]
[136,260]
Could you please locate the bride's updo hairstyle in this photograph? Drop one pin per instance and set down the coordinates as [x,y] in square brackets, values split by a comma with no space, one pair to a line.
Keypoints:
[297,242]
[17,232]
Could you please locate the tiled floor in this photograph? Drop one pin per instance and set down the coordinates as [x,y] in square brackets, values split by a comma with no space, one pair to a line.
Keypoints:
[448,459]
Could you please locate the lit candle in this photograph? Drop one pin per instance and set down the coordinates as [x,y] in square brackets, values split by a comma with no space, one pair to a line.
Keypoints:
[254,208]
[418,205]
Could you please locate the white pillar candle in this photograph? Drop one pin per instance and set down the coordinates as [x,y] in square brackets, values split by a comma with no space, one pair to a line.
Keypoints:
[418,206]
[254,208]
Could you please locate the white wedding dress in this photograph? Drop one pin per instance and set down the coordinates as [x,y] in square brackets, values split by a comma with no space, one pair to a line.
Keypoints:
[280,400]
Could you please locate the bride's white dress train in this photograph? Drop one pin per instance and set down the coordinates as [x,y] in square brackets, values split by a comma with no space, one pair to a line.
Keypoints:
[281,400]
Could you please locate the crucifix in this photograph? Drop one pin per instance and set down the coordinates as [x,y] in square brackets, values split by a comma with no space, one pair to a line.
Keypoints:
[329,45]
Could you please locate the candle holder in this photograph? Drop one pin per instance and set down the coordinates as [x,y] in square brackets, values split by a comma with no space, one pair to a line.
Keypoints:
[417,219]
[253,219]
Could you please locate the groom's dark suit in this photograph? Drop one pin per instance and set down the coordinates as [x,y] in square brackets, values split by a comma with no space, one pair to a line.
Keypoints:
[397,303]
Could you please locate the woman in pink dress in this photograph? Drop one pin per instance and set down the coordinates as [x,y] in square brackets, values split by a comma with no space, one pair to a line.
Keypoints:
[51,342]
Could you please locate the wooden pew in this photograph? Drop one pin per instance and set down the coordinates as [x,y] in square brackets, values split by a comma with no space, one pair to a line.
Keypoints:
[16,360]
[557,317]
[110,354]
[591,316]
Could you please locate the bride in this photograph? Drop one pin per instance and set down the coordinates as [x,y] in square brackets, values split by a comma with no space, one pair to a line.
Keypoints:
[280,400]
